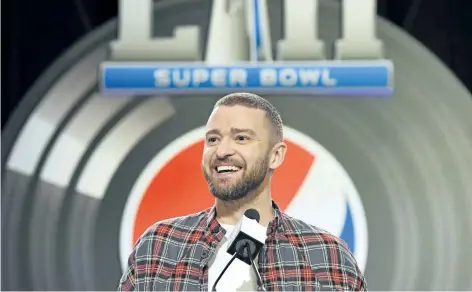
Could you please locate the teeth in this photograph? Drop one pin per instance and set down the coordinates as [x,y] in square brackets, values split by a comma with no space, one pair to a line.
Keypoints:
[227,168]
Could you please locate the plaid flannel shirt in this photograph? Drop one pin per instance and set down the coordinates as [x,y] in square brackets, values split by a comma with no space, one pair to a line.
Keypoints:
[173,255]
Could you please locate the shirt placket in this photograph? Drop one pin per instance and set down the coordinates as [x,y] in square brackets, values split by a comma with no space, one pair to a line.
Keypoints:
[212,238]
[266,265]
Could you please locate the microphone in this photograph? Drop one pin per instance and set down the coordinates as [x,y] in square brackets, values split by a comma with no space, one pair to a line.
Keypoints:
[245,242]
[247,231]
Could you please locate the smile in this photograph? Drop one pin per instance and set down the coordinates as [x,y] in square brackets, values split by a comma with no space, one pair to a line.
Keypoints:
[227,169]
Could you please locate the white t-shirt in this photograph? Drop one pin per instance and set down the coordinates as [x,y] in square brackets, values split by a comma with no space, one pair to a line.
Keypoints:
[238,277]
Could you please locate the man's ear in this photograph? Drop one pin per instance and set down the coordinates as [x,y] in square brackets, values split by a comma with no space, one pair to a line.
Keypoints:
[277,155]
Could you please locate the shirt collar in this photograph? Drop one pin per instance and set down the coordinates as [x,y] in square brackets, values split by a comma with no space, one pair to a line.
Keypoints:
[277,223]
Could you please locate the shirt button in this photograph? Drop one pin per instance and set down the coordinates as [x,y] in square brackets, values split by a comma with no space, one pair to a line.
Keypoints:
[204,254]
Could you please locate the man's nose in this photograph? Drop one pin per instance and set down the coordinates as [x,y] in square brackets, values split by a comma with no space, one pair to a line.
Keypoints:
[225,149]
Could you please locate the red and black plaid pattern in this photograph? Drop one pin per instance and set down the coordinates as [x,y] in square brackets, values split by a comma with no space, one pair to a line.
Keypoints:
[173,255]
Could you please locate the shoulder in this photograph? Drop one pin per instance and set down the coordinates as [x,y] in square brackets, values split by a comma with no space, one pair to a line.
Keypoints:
[312,235]
[161,243]
[325,252]
[175,229]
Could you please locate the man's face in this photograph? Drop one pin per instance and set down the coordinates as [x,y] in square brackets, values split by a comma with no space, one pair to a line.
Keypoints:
[236,154]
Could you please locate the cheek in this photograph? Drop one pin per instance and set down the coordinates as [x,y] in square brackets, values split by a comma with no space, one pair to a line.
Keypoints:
[250,157]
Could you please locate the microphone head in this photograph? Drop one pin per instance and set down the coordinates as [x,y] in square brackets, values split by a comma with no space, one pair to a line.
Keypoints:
[252,214]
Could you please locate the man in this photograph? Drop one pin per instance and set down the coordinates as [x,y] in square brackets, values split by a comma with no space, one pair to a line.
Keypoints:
[243,147]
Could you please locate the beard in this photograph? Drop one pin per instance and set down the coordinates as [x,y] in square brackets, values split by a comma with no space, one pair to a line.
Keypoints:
[241,188]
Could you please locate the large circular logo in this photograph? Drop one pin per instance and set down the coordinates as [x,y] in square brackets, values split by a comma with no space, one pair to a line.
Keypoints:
[311,185]
[80,179]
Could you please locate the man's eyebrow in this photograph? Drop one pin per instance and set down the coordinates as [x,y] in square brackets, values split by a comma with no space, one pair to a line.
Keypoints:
[233,131]
[212,131]
[237,131]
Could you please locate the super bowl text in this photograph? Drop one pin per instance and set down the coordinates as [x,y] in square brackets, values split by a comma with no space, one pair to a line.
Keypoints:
[239,54]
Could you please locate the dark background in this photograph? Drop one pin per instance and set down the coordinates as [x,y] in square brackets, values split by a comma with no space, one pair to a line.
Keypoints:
[35,33]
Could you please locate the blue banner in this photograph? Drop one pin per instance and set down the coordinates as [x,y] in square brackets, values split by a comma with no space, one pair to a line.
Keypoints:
[336,78]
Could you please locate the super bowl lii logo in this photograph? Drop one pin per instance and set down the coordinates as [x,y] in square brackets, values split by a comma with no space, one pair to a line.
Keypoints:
[240,54]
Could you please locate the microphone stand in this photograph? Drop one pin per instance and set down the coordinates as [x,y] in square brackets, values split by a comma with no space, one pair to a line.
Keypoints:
[226,267]
[260,286]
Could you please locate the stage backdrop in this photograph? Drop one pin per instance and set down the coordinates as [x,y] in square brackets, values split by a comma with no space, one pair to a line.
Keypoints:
[83,175]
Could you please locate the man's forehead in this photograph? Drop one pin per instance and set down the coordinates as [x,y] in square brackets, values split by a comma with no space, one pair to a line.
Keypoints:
[238,117]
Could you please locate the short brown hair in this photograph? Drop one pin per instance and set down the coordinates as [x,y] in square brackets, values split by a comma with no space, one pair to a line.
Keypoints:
[255,101]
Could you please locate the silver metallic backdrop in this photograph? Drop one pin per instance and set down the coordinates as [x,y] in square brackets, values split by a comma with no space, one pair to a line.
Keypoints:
[70,158]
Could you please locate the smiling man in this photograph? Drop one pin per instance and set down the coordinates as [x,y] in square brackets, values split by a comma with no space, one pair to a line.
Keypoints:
[243,147]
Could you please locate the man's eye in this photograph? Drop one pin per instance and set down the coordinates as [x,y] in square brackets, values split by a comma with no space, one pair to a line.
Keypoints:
[242,138]
[211,140]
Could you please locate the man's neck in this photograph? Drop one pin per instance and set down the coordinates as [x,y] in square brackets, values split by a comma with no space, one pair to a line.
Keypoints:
[231,212]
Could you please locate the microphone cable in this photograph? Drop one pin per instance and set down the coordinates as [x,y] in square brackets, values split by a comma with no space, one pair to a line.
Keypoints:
[260,286]
[226,267]
[246,247]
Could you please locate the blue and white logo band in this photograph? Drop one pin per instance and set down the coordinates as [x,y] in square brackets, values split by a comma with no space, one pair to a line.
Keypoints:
[369,78]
